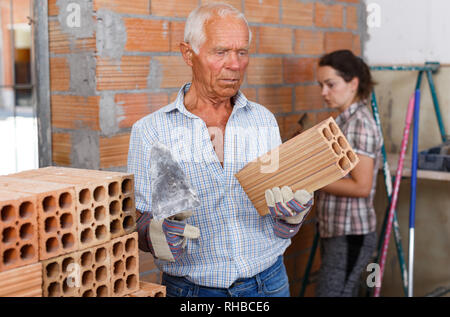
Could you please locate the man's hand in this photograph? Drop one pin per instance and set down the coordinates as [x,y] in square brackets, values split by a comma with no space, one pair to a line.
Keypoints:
[169,236]
[288,209]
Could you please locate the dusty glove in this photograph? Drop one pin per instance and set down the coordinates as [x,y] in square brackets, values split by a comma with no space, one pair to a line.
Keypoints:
[288,209]
[166,238]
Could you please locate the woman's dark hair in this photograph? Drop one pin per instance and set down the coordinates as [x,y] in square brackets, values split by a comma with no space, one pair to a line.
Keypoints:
[349,66]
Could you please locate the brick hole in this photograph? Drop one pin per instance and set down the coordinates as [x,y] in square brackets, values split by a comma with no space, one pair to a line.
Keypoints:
[66,287]
[118,249]
[85,216]
[101,274]
[100,213]
[51,245]
[132,281]
[114,226]
[102,291]
[336,148]
[100,255]
[86,235]
[68,241]
[54,290]
[128,222]
[66,264]
[8,213]
[327,134]
[49,204]
[65,201]
[84,197]
[131,263]
[130,245]
[344,163]
[26,210]
[87,278]
[88,293]
[159,294]
[114,207]
[52,269]
[113,189]
[127,186]
[127,204]
[51,224]
[10,256]
[66,221]
[99,193]
[26,231]
[334,129]
[342,142]
[119,286]
[27,252]
[351,156]
[100,232]
[86,259]
[9,235]
[119,268]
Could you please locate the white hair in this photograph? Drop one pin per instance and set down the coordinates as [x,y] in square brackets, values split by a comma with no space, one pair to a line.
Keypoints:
[194,31]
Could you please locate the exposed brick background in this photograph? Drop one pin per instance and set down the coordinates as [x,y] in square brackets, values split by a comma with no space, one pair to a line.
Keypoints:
[289,36]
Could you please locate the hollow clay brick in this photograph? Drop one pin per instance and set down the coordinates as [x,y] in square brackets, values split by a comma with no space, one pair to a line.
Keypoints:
[311,160]
[24,281]
[95,272]
[147,289]
[61,276]
[18,230]
[56,217]
[120,189]
[91,205]
[124,265]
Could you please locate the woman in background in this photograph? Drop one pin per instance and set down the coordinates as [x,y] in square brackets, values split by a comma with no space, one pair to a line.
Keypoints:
[347,221]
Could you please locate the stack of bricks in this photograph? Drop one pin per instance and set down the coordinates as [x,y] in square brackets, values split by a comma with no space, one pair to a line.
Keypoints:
[122,62]
[69,232]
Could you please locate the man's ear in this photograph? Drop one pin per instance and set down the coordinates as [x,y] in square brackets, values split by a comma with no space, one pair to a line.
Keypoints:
[187,52]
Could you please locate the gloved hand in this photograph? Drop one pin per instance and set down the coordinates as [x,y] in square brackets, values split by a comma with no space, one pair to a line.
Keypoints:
[168,237]
[288,209]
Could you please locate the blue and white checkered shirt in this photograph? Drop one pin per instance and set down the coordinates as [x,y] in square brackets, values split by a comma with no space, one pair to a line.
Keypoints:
[235,241]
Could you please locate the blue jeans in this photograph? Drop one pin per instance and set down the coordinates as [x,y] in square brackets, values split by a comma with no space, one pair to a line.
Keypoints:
[272,282]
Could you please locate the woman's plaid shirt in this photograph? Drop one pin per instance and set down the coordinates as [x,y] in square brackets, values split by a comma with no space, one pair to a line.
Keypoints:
[340,215]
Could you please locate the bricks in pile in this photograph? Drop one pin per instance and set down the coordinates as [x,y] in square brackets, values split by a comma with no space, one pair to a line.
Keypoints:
[68,232]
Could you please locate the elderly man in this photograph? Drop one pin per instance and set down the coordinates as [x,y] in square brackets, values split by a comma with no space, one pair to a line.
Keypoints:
[223,247]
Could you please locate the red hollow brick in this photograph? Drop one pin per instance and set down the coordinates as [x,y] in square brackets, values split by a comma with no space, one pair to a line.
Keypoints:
[299,70]
[275,40]
[18,229]
[329,16]
[147,35]
[124,265]
[297,13]
[57,224]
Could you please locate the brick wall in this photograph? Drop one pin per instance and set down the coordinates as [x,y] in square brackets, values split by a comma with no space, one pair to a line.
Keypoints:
[122,62]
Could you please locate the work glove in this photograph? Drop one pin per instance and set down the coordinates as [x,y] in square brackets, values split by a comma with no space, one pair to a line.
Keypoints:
[288,209]
[167,238]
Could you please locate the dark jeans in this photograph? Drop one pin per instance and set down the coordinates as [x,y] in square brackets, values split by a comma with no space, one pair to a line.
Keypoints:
[272,282]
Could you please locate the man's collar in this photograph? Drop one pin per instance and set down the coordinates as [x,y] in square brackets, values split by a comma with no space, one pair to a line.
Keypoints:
[240,101]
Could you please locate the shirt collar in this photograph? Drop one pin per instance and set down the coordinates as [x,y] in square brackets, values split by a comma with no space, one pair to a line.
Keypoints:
[240,101]
[347,113]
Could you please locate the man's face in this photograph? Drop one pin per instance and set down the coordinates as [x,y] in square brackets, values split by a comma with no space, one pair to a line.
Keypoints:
[222,60]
